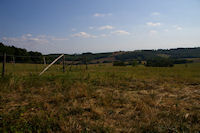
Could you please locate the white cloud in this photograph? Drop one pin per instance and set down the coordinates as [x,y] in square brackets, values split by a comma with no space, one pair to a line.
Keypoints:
[104,35]
[59,39]
[41,43]
[177,27]
[91,27]
[155,14]
[153,24]
[29,38]
[83,35]
[25,38]
[28,35]
[120,32]
[153,32]
[166,30]
[106,27]
[73,29]
[102,14]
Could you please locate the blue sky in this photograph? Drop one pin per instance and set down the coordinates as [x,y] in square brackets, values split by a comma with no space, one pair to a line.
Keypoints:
[76,26]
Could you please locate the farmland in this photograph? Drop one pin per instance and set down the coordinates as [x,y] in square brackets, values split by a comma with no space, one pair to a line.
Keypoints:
[104,98]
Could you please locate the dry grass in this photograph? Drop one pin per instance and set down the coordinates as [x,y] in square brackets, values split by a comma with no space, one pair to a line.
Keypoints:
[103,99]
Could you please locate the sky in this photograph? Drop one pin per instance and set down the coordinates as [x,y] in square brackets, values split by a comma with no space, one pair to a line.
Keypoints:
[78,26]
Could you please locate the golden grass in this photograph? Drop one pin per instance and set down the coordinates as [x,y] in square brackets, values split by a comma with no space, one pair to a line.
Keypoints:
[101,99]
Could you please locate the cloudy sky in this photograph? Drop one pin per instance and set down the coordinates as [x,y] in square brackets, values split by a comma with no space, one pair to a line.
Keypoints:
[76,26]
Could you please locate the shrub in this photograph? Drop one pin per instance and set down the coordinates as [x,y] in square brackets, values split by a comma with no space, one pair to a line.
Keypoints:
[160,62]
[119,63]
[182,61]
[134,63]
[106,61]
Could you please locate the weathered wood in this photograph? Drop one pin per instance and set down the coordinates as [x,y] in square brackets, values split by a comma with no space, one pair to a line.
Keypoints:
[51,64]
[44,60]
[4,64]
[70,68]
[13,59]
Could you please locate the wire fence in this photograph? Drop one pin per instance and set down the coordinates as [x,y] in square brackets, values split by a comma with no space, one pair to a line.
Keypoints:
[23,65]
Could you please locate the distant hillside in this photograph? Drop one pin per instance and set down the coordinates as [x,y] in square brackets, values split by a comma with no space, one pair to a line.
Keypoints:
[89,57]
[170,53]
[141,55]
[21,55]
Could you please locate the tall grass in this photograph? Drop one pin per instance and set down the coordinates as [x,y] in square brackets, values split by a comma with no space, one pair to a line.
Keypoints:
[104,98]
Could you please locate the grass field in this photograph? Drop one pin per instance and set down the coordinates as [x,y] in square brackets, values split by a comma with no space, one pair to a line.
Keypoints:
[103,98]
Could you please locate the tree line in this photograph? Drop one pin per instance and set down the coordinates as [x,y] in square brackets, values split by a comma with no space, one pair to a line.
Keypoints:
[151,54]
[160,57]
[19,55]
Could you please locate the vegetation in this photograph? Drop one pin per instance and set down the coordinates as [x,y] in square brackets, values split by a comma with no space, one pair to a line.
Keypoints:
[149,54]
[104,98]
[119,63]
[182,61]
[82,57]
[20,55]
[101,96]
[178,56]
[160,62]
[134,63]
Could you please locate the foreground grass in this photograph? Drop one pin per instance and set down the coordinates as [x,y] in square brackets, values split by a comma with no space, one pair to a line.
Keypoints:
[101,99]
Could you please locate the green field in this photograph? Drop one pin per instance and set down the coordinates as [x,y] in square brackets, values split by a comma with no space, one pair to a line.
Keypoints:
[104,98]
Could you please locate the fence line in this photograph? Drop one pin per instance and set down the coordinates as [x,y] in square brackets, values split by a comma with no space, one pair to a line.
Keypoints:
[52,64]
[28,64]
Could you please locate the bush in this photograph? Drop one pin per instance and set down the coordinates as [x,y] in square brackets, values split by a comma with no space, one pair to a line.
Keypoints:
[160,62]
[134,63]
[182,61]
[119,63]
[106,61]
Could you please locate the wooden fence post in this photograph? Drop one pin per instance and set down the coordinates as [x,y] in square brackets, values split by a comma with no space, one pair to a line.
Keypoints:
[51,64]
[13,60]
[4,62]
[70,68]
[63,63]
[44,60]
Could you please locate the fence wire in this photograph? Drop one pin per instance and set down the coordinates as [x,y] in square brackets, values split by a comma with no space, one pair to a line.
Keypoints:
[25,65]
